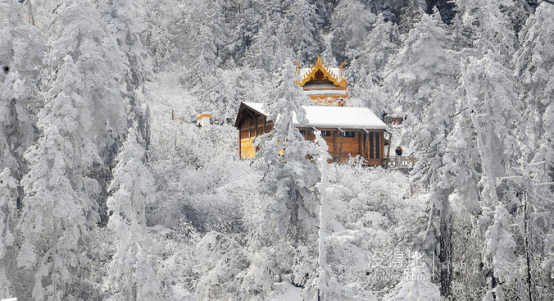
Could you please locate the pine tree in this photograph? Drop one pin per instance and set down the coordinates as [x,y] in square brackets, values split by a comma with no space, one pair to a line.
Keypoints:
[56,217]
[408,76]
[21,53]
[250,18]
[366,71]
[80,125]
[289,178]
[8,196]
[533,67]
[323,270]
[412,11]
[422,76]
[268,51]
[415,284]
[491,93]
[351,22]
[208,42]
[303,37]
[381,44]
[130,273]
[122,19]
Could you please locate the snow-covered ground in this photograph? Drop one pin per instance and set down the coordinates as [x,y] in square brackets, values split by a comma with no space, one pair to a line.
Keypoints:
[286,292]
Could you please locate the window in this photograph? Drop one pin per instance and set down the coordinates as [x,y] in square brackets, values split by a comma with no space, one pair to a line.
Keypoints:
[348,134]
[303,132]
[325,133]
[371,146]
[377,146]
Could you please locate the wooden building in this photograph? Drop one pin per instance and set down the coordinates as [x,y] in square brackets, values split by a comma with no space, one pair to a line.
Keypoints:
[348,131]
[322,84]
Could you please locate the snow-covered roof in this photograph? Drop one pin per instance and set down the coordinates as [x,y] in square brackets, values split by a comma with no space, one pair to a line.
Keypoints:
[202,115]
[336,72]
[302,72]
[333,117]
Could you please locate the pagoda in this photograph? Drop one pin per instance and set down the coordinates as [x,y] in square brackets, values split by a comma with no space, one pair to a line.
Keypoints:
[322,84]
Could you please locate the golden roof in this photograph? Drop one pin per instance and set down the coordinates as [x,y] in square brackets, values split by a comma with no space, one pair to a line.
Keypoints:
[320,72]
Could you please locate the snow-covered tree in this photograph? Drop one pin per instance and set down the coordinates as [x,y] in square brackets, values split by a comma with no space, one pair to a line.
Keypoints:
[22,49]
[8,196]
[289,177]
[208,34]
[492,100]
[80,124]
[56,217]
[415,284]
[480,122]
[327,54]
[303,37]
[408,76]
[382,42]
[131,275]
[365,72]
[412,11]
[250,18]
[122,19]
[268,52]
[428,98]
[351,22]
[533,67]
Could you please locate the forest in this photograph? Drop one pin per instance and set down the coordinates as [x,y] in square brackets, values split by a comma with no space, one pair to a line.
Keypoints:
[109,192]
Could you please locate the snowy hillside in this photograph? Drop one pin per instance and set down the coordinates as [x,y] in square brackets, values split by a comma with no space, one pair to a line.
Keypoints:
[109,192]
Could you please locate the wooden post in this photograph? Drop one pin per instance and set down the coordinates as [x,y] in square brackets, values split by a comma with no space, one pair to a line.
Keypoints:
[335,145]
[364,147]
[359,143]
[256,124]
[172,115]
[340,149]
[388,151]
[382,144]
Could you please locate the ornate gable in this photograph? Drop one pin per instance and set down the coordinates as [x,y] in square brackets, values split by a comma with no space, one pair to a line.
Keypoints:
[320,72]
[323,85]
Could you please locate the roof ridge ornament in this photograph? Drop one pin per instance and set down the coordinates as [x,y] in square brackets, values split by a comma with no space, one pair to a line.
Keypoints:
[297,67]
[319,64]
[341,68]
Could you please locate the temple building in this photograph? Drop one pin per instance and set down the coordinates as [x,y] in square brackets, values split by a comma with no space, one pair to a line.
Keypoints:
[323,85]
[348,131]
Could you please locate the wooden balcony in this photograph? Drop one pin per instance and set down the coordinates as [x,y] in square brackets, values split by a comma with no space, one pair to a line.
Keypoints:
[401,161]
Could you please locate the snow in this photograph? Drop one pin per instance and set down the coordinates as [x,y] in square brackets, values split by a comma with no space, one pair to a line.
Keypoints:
[334,117]
[303,71]
[325,92]
[336,72]
[286,292]
[478,96]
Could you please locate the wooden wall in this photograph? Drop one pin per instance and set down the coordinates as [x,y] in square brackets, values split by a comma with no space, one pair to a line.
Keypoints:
[342,148]
[249,129]
[370,145]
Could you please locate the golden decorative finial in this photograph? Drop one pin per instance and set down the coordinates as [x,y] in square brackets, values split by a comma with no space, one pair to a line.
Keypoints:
[341,68]
[319,59]
[297,67]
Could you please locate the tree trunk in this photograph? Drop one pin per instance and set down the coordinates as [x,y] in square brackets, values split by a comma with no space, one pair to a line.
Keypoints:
[530,282]
[445,253]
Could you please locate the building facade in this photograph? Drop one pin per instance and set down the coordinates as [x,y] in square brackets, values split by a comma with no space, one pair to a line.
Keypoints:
[348,131]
